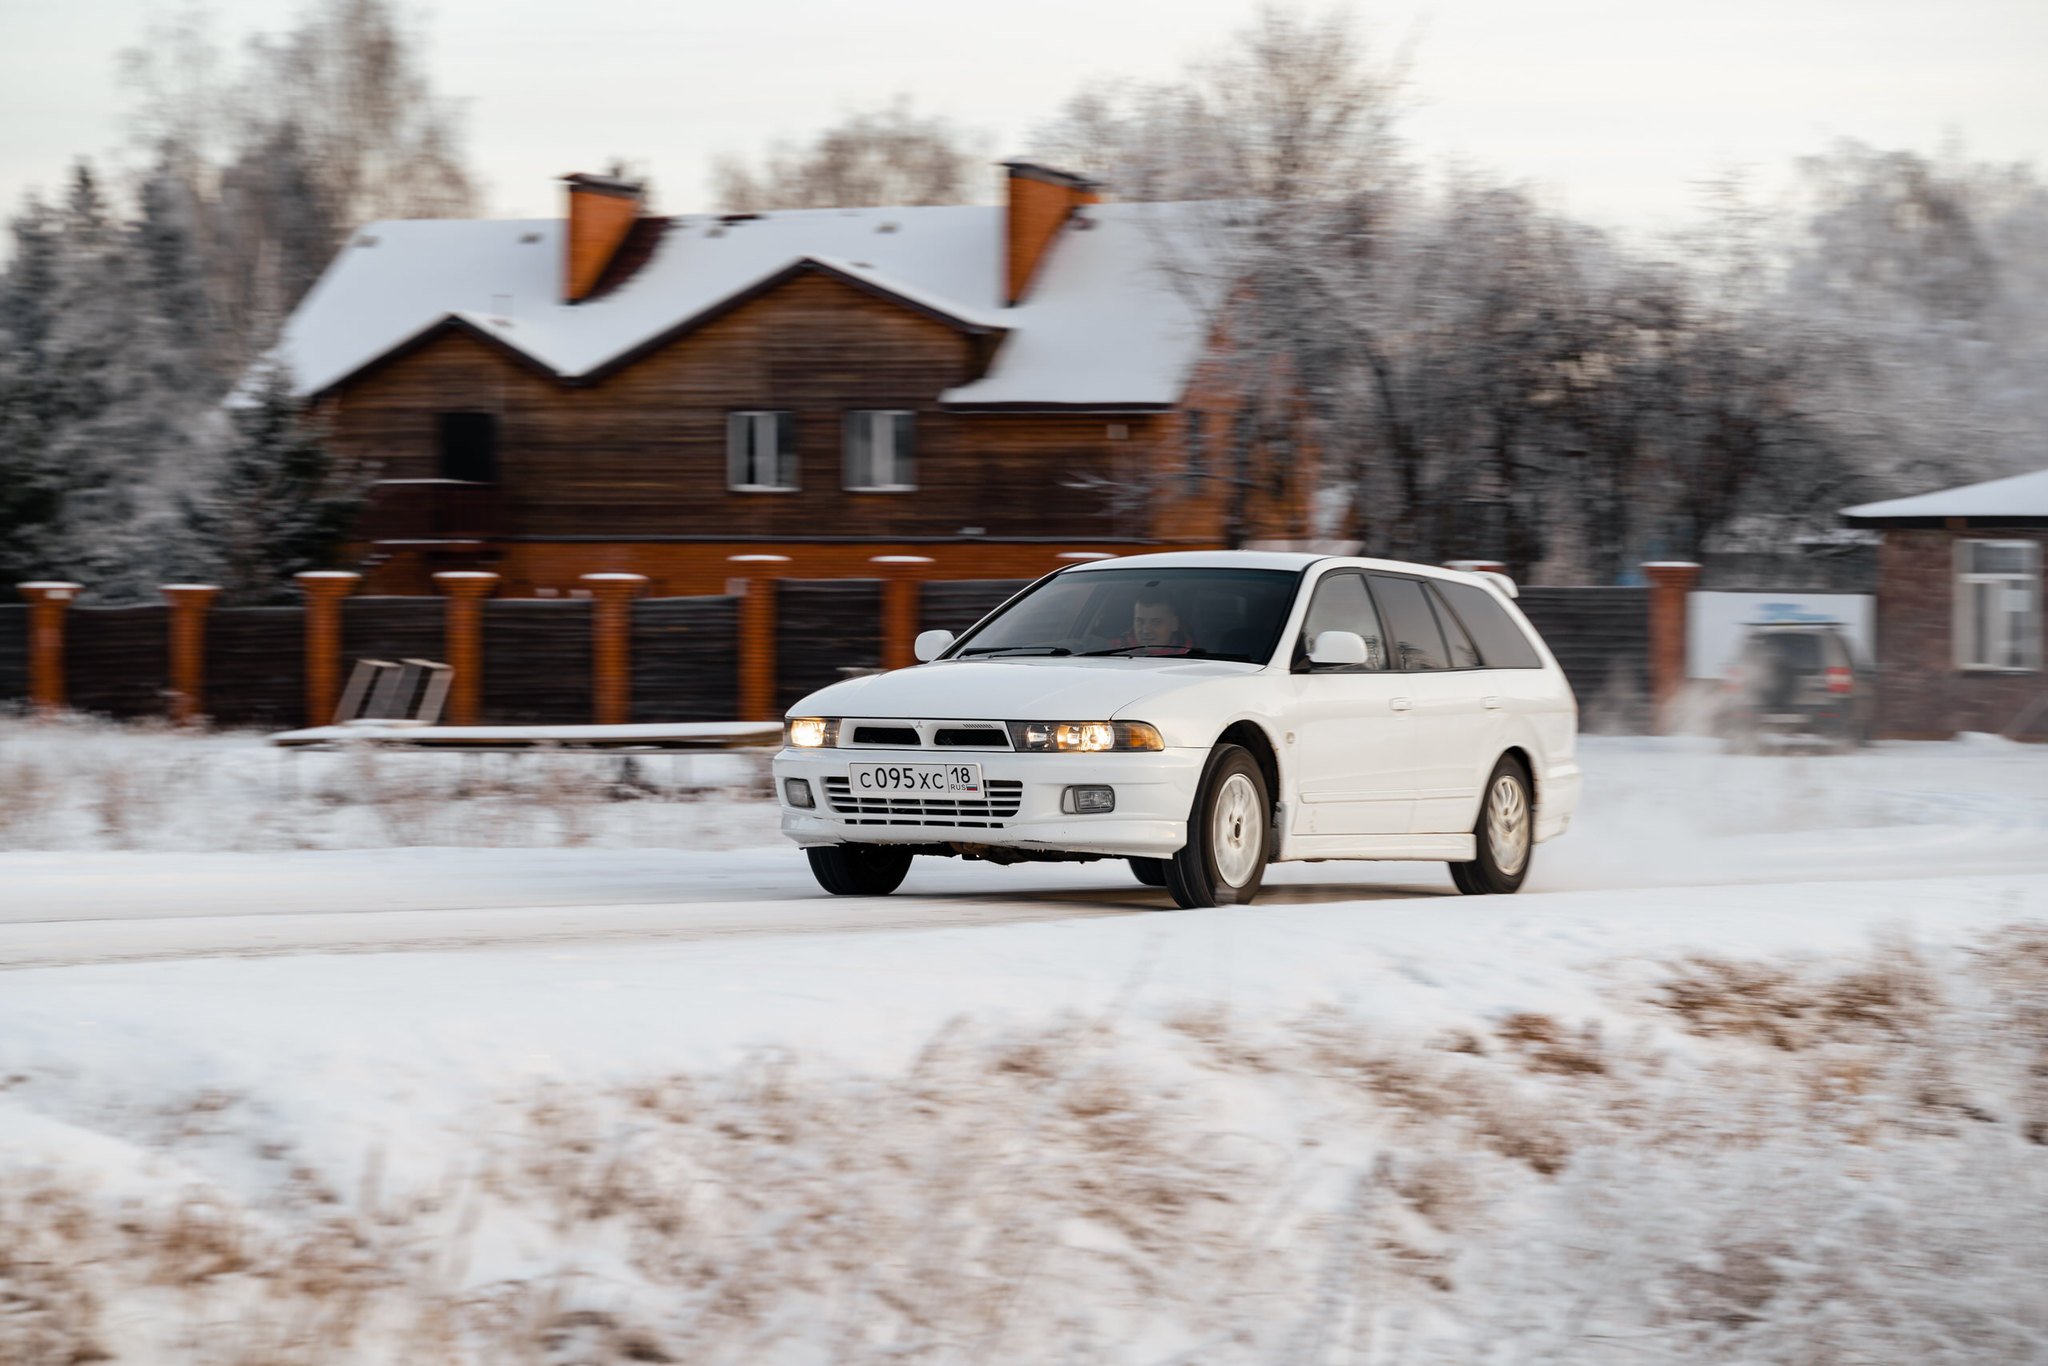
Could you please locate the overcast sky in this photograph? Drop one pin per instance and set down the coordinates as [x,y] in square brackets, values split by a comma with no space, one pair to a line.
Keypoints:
[1615,108]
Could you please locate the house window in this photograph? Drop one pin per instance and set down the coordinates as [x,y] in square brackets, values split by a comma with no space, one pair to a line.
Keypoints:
[1998,605]
[879,448]
[468,448]
[1196,441]
[760,451]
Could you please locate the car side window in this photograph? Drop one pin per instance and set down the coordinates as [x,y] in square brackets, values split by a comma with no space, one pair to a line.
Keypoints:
[1342,604]
[1502,644]
[1411,625]
[1464,655]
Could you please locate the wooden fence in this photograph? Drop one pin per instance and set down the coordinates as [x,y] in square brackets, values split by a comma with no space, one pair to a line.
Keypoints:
[614,657]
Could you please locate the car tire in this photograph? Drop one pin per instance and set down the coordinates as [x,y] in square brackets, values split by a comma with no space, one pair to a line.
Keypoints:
[1504,838]
[1229,835]
[859,869]
[1150,871]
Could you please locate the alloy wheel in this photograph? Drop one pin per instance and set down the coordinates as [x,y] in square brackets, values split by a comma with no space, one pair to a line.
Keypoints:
[1507,823]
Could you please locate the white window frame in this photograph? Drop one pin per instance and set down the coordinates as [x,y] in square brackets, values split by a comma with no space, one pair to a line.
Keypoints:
[1997,613]
[874,435]
[747,430]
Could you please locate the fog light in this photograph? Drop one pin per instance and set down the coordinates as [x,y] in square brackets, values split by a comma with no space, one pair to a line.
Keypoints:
[798,790]
[1089,801]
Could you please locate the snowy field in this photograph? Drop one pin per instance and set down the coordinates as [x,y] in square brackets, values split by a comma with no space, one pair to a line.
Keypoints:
[376,1058]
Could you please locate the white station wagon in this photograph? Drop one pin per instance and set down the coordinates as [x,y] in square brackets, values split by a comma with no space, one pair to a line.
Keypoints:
[1200,714]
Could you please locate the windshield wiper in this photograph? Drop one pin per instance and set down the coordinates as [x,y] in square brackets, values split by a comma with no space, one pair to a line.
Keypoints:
[1159,652]
[993,650]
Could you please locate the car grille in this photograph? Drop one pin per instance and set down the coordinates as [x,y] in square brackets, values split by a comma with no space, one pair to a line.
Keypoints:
[1005,795]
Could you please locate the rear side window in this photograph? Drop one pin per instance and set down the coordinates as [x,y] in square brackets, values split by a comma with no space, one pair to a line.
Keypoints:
[1411,625]
[1464,654]
[1501,643]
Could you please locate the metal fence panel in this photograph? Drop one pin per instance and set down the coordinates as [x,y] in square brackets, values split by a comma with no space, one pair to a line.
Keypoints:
[13,652]
[956,604]
[686,659]
[390,628]
[536,662]
[824,628]
[117,660]
[1601,637]
[256,667]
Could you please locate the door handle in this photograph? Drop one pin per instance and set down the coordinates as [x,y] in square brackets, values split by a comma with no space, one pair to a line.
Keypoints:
[1399,703]
[1490,703]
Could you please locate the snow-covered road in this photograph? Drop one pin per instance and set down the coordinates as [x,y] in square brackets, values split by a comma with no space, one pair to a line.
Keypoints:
[1660,815]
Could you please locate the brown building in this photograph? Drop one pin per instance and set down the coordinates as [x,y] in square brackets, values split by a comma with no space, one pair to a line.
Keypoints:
[1959,611]
[984,388]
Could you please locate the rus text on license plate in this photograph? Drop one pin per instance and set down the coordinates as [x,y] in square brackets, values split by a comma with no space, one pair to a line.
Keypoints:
[914,780]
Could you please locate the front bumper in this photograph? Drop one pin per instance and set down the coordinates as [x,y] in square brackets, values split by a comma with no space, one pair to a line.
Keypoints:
[1155,790]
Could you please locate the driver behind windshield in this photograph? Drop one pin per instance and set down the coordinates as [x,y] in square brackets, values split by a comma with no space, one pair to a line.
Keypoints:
[1155,621]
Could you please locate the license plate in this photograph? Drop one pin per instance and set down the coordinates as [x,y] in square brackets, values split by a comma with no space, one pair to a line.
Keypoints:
[913,780]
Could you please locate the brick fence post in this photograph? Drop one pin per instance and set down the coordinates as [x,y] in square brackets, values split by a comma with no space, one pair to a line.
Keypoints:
[47,601]
[189,602]
[611,645]
[324,590]
[900,589]
[462,639]
[1670,581]
[757,634]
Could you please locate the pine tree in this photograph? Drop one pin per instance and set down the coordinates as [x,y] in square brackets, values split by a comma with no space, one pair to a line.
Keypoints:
[30,498]
[279,503]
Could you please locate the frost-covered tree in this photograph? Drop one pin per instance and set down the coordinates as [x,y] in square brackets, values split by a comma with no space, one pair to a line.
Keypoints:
[1933,271]
[273,162]
[279,501]
[106,414]
[887,155]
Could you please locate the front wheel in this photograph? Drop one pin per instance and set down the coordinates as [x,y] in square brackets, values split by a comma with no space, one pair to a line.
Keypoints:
[1504,836]
[859,869]
[1224,860]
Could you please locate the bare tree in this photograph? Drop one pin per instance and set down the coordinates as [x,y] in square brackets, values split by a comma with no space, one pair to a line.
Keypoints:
[884,156]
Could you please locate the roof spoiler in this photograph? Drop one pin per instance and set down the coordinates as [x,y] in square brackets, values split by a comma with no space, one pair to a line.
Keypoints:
[1486,569]
[1499,580]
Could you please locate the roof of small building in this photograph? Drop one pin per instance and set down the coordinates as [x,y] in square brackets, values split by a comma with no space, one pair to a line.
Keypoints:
[2018,500]
[1116,316]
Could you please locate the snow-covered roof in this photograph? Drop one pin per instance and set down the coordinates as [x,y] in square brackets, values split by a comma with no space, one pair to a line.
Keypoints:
[2019,496]
[1105,324]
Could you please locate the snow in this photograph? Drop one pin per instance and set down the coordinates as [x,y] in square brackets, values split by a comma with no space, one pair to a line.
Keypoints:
[654,734]
[217,1008]
[1103,324]
[2020,495]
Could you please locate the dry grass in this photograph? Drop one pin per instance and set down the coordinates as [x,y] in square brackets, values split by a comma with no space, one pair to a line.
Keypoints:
[1847,1167]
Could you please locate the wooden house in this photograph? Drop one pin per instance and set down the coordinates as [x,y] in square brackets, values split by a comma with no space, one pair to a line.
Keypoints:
[978,390]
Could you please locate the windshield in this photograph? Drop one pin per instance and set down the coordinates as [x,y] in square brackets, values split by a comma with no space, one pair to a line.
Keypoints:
[1181,613]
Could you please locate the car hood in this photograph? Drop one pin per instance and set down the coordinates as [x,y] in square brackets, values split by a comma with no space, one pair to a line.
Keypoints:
[1021,689]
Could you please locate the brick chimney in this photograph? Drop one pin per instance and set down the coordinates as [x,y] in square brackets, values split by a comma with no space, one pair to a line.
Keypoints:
[602,211]
[1040,202]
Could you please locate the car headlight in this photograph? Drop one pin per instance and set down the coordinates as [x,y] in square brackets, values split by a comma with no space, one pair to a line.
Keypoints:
[811,732]
[1083,737]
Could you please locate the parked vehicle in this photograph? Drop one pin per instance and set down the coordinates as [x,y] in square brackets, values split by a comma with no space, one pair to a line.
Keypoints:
[1200,714]
[1799,681]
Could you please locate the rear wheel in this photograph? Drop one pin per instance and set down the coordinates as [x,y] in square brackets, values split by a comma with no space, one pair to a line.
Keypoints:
[859,869]
[1504,837]
[1150,871]
[1224,860]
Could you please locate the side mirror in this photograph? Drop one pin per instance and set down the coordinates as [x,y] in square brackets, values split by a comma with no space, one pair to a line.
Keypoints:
[1337,647]
[930,644]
